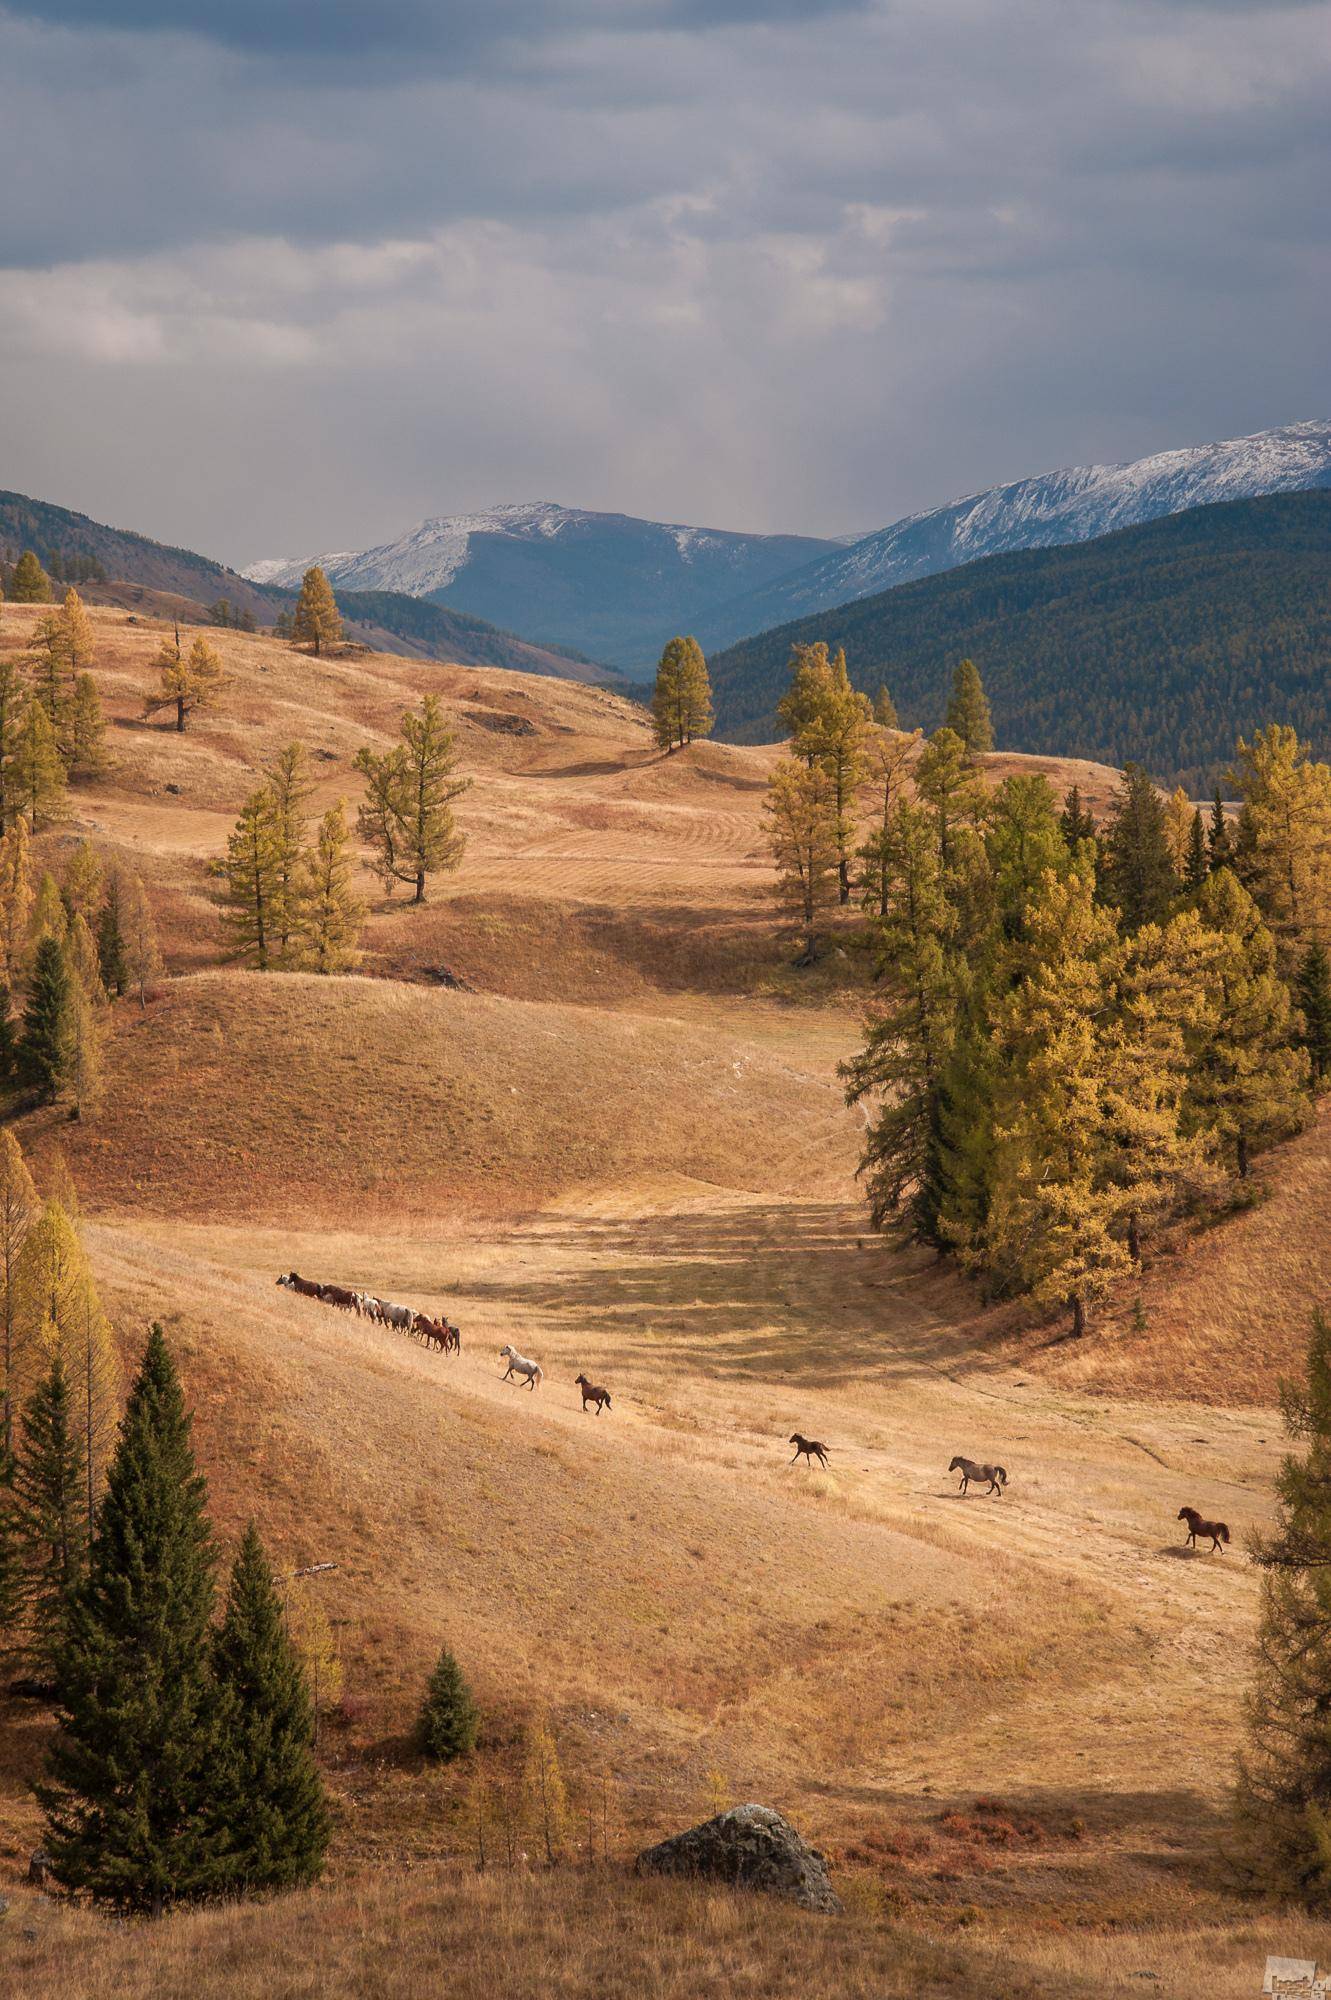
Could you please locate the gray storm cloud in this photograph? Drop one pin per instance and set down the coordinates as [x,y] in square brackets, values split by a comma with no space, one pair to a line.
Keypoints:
[290,277]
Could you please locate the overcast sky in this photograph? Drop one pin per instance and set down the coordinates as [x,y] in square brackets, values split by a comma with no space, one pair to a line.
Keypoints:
[277,278]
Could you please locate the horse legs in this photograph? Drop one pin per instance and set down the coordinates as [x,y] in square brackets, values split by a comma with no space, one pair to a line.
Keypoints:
[965,1482]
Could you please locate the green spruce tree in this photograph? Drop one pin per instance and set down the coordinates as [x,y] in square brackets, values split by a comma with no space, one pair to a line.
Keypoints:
[449,1719]
[1220,841]
[1076,823]
[266,1801]
[111,957]
[968,710]
[1138,873]
[51,1517]
[132,1766]
[43,1053]
[1198,863]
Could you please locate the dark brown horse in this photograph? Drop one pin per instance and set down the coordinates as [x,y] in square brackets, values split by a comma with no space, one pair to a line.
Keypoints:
[591,1394]
[339,1296]
[808,1449]
[305,1286]
[1217,1530]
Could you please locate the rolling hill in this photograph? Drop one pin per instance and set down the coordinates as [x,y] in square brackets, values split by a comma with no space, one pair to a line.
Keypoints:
[1076,504]
[608,584]
[387,620]
[1158,643]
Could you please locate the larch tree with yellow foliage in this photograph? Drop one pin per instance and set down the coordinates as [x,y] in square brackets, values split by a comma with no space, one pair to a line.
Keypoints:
[37,770]
[1283,844]
[139,953]
[15,902]
[317,622]
[58,1314]
[188,682]
[329,915]
[802,835]
[682,695]
[253,883]
[19,1208]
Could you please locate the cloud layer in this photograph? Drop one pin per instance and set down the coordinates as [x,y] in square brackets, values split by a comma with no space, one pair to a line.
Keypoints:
[291,276]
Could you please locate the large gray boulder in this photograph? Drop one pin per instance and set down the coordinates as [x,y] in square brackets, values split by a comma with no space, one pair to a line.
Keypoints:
[750,1847]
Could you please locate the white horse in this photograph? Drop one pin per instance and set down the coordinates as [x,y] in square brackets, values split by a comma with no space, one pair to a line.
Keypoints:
[519,1365]
[399,1316]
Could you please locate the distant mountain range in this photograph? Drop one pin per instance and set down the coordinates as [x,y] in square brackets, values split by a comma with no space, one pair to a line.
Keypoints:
[1159,643]
[390,621]
[609,585]
[616,588]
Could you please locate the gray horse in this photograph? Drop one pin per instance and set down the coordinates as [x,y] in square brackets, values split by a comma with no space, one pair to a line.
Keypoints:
[969,1470]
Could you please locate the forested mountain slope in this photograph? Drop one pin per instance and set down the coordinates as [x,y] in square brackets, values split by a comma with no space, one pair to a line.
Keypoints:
[1159,643]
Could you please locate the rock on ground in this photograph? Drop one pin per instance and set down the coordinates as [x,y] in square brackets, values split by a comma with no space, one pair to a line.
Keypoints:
[751,1847]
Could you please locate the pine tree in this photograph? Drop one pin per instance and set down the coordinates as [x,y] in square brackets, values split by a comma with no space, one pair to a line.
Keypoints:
[1313,994]
[51,1515]
[1076,823]
[317,622]
[802,834]
[290,788]
[31,584]
[885,710]
[682,696]
[37,771]
[449,1719]
[253,882]
[19,1209]
[1283,1794]
[11,1569]
[329,914]
[85,1035]
[81,960]
[888,757]
[142,957]
[1220,841]
[1197,865]
[15,902]
[43,1049]
[87,730]
[804,700]
[8,1041]
[410,808]
[968,710]
[132,1765]
[111,956]
[1247,1084]
[266,1801]
[1138,871]
[954,793]
[48,666]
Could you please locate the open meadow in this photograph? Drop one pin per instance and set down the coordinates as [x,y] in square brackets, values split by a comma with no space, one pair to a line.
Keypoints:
[583,1102]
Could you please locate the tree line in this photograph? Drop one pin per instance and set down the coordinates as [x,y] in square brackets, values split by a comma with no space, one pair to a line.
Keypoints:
[1077,1032]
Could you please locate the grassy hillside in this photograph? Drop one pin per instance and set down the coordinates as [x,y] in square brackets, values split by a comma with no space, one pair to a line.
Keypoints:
[1159,644]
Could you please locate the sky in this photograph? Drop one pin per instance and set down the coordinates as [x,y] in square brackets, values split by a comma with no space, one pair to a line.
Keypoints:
[283,278]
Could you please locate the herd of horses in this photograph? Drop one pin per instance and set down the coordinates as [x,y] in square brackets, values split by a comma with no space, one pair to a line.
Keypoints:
[441,1333]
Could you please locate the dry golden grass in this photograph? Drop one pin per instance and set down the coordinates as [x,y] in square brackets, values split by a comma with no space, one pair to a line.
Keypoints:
[626,1152]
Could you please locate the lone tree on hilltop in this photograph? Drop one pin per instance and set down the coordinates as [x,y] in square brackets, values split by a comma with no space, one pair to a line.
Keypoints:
[968,710]
[132,1769]
[1284,1782]
[31,584]
[682,697]
[187,681]
[317,622]
[408,812]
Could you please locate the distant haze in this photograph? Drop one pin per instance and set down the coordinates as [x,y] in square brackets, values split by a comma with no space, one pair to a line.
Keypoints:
[290,276]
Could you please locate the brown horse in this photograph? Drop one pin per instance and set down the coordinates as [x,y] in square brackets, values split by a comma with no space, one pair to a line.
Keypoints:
[808,1449]
[591,1394]
[1197,1526]
[431,1331]
[339,1296]
[305,1286]
[969,1470]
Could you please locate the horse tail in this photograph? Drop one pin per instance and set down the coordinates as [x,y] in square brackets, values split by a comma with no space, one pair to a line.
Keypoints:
[608,1403]
[540,1372]
[1222,1531]
[1001,1472]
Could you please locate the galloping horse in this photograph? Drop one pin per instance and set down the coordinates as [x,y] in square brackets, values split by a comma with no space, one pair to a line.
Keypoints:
[591,1394]
[1197,1526]
[518,1364]
[969,1470]
[808,1449]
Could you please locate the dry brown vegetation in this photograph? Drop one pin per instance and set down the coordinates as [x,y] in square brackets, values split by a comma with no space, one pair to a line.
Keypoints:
[624,1149]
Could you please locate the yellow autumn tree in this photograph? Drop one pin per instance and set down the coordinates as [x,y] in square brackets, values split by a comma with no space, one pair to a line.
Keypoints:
[1283,846]
[19,1208]
[329,915]
[15,901]
[57,1312]
[802,835]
